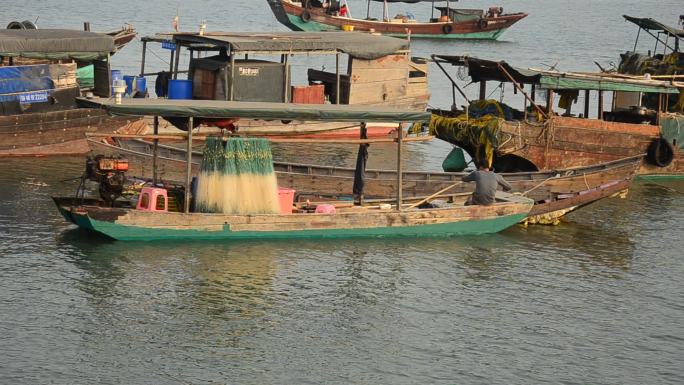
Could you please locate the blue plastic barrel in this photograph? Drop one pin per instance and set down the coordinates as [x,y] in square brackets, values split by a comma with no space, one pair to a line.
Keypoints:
[141,84]
[116,75]
[180,89]
[129,79]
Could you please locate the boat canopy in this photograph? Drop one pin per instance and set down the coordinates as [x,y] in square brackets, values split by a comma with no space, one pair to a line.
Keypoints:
[489,70]
[356,44]
[253,110]
[654,25]
[55,44]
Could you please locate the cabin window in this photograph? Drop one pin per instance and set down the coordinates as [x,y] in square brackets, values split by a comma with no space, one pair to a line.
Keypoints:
[161,202]
[145,201]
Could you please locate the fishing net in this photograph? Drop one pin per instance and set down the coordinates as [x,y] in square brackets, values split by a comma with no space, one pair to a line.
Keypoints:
[237,177]
[477,132]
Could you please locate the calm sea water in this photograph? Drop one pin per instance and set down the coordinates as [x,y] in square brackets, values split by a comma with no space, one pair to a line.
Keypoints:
[597,300]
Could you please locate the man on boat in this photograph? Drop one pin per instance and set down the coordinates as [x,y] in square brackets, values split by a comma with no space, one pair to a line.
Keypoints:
[486,182]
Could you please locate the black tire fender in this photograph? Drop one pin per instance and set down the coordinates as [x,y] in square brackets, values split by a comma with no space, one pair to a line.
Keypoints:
[660,152]
[483,23]
[447,29]
[305,16]
[15,25]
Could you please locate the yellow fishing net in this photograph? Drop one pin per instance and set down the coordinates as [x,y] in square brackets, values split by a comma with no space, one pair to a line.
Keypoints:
[478,135]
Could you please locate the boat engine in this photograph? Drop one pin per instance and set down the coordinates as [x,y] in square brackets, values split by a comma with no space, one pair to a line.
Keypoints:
[110,173]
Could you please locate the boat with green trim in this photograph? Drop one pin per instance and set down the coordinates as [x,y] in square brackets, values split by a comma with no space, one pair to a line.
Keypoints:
[640,119]
[317,16]
[151,219]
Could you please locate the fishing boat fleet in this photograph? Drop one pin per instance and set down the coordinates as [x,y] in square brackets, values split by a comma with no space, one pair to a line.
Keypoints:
[195,162]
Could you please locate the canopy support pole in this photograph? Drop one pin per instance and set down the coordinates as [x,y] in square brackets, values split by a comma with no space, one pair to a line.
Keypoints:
[520,88]
[360,170]
[232,76]
[286,87]
[400,167]
[155,151]
[657,40]
[142,60]
[175,64]
[337,78]
[453,82]
[549,102]
[368,10]
[637,40]
[432,13]
[188,169]
[586,104]
[600,105]
[483,89]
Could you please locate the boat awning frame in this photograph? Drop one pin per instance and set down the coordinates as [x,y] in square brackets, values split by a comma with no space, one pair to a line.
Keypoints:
[356,44]
[489,70]
[55,44]
[655,25]
[253,110]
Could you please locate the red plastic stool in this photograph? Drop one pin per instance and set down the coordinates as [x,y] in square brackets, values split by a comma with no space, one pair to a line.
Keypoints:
[153,199]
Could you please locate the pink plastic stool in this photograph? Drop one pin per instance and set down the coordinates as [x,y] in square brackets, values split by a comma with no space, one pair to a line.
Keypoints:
[153,199]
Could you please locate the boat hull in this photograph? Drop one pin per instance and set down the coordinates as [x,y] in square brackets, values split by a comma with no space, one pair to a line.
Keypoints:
[59,132]
[489,28]
[574,142]
[136,225]
[552,191]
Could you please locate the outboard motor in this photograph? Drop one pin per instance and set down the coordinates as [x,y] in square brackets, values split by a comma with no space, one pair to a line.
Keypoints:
[110,173]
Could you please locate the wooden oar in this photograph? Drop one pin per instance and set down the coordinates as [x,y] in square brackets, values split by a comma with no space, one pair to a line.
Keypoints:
[420,202]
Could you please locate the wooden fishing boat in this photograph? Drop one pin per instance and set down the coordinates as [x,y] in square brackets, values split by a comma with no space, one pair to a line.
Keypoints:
[153,223]
[452,24]
[555,193]
[536,138]
[38,113]
[239,66]
[122,36]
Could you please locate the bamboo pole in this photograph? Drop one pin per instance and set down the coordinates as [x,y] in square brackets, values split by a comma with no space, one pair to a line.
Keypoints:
[181,137]
[188,163]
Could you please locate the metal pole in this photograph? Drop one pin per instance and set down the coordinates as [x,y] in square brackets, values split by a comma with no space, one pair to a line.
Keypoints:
[337,82]
[173,54]
[453,82]
[188,170]
[432,13]
[368,10]
[600,105]
[155,151]
[399,167]
[142,61]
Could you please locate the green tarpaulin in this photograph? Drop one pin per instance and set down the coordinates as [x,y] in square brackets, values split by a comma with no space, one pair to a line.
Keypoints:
[55,44]
[558,82]
[252,110]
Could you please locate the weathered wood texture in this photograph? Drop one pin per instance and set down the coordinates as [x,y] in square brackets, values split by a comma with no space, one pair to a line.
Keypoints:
[565,142]
[39,133]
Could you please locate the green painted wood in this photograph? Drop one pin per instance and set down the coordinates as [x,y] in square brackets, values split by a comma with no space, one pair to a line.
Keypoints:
[133,233]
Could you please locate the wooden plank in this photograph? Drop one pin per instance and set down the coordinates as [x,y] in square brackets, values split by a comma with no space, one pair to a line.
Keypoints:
[399,61]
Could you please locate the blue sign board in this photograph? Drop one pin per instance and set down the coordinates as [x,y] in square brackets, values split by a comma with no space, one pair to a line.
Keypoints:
[167,44]
[33,97]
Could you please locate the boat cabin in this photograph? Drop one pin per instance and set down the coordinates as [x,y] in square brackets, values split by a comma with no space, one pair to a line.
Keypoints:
[257,67]
[46,70]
